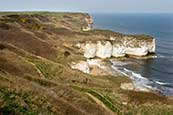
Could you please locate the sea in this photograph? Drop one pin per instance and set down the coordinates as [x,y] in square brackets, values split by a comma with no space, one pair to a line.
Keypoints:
[154,73]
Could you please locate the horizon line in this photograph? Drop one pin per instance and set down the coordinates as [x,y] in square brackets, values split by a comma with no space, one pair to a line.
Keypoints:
[86,12]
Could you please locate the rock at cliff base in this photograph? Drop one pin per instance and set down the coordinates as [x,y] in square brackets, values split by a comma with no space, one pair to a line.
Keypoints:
[82,66]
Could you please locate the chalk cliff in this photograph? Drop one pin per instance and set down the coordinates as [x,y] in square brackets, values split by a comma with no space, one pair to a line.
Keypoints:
[88,23]
[118,47]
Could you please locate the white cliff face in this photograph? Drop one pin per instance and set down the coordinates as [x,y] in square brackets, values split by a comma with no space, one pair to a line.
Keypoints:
[104,50]
[138,51]
[88,23]
[85,66]
[90,50]
[118,47]
[94,67]
[152,46]
[118,51]
[82,66]
[96,62]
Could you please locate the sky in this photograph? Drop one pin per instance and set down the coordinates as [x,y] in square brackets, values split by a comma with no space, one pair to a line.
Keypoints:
[90,6]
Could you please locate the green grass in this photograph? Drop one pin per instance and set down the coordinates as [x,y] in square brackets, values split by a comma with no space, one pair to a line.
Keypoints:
[109,33]
[48,68]
[11,104]
[156,111]
[103,99]
[42,82]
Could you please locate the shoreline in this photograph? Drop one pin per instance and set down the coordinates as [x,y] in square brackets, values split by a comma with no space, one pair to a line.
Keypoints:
[144,84]
[99,67]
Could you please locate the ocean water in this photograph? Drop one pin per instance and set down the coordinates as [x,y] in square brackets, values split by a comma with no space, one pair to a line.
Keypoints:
[156,73]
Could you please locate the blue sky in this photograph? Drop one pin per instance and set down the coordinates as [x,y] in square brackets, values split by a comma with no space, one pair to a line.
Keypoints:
[91,6]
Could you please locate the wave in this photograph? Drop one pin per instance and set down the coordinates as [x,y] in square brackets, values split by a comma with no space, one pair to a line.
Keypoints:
[165,41]
[165,47]
[142,83]
[164,84]
[163,56]
[160,71]
[119,63]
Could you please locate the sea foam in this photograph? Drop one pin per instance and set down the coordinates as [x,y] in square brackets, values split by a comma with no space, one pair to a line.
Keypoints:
[142,83]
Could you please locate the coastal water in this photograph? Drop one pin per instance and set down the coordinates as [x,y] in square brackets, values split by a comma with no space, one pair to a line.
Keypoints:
[155,73]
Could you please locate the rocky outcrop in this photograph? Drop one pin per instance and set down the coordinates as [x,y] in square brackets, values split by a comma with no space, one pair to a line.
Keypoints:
[132,87]
[82,66]
[88,23]
[118,47]
[94,67]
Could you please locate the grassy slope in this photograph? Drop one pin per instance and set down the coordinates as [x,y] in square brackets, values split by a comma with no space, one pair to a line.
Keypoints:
[35,77]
